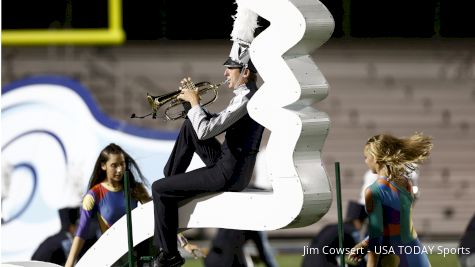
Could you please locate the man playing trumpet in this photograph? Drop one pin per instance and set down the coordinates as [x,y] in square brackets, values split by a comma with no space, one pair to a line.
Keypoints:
[229,166]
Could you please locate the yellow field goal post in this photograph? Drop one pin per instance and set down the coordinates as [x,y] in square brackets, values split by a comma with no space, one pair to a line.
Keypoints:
[112,35]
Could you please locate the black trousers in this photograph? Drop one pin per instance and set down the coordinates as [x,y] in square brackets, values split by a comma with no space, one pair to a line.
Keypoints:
[178,185]
[227,249]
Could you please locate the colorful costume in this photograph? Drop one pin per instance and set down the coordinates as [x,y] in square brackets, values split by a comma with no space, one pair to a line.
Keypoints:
[391,232]
[107,205]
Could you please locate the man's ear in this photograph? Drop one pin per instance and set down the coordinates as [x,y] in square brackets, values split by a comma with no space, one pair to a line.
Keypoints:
[246,73]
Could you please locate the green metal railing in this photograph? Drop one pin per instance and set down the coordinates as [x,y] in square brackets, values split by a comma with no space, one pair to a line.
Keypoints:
[131,260]
[128,211]
[339,209]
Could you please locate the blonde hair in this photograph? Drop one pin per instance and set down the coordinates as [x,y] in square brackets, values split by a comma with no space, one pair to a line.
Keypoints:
[399,155]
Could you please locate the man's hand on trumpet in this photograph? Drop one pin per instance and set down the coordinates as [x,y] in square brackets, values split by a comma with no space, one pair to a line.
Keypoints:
[189,92]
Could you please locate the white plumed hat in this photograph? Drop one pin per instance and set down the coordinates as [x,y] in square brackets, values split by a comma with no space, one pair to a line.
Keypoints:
[245,24]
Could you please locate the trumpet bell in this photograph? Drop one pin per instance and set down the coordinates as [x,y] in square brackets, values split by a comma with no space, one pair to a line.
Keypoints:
[152,105]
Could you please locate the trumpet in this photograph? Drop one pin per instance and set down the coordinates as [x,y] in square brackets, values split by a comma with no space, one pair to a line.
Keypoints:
[176,108]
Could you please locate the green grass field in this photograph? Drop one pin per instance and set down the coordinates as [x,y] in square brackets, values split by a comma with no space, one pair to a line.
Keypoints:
[294,260]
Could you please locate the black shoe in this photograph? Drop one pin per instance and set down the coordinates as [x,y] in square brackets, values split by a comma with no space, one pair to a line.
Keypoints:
[168,260]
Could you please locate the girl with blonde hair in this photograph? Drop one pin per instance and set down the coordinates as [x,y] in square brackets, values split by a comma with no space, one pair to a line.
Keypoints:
[392,238]
[389,200]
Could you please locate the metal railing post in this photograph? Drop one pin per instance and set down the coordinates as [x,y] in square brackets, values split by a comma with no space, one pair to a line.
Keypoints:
[339,209]
[129,219]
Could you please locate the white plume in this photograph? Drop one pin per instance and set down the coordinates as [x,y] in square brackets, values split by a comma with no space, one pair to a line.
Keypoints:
[245,23]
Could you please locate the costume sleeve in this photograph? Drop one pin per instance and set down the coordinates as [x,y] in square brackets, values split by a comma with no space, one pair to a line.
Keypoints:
[88,209]
[209,126]
[375,215]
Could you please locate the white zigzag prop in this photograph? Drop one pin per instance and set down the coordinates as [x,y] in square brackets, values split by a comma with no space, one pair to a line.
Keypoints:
[292,80]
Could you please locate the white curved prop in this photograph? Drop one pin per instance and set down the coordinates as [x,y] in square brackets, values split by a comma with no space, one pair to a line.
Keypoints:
[301,192]
[292,82]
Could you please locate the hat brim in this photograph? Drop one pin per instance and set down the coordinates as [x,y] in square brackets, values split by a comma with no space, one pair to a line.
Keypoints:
[232,64]
[229,63]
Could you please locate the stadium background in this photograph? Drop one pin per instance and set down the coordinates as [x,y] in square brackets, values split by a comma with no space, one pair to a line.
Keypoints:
[400,66]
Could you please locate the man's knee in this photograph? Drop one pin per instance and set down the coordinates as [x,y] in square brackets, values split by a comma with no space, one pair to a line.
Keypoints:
[163,188]
[158,187]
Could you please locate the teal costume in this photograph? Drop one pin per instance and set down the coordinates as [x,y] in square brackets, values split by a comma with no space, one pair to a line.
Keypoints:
[391,232]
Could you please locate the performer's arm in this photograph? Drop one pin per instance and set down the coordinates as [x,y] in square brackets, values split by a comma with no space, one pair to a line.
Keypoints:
[87,210]
[372,259]
[76,247]
[141,194]
[207,127]
[375,226]
[190,248]
[358,252]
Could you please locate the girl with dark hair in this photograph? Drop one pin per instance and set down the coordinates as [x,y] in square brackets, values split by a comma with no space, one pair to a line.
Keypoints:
[119,161]
[105,196]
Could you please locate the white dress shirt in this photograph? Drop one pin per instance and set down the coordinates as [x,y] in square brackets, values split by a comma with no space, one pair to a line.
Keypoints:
[207,127]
